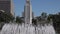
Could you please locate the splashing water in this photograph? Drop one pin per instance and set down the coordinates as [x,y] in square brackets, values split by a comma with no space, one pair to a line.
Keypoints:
[27,29]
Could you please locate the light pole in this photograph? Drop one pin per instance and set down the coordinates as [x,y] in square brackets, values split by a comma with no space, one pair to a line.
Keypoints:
[2,11]
[1,14]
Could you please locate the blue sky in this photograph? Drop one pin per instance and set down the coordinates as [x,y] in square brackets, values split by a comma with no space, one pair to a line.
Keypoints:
[38,6]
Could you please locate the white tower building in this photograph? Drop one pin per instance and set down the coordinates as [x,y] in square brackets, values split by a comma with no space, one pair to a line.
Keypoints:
[28,12]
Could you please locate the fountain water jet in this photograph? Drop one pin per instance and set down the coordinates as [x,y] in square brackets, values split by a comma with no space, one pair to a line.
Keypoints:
[27,29]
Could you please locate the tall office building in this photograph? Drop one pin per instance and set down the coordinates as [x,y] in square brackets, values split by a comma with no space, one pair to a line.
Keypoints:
[23,15]
[28,12]
[7,6]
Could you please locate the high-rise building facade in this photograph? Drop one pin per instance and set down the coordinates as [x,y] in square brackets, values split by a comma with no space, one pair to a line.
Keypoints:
[7,6]
[28,12]
[23,14]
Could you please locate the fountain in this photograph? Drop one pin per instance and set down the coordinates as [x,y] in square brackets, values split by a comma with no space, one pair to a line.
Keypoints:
[27,29]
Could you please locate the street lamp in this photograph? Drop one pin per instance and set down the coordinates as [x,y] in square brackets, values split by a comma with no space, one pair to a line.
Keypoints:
[2,11]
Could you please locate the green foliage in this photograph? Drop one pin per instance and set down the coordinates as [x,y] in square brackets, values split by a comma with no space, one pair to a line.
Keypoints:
[56,20]
[18,19]
[5,17]
[48,18]
[44,15]
[38,18]
[34,21]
